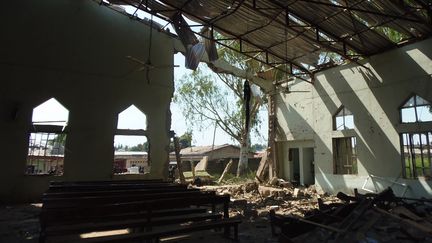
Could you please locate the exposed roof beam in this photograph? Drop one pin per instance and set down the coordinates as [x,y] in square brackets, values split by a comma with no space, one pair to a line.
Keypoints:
[222,16]
[350,8]
[224,67]
[298,66]
[323,30]
[273,65]
[271,20]
[428,9]
[309,39]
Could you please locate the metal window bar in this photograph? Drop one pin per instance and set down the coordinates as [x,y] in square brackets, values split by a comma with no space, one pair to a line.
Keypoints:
[421,154]
[428,142]
[32,144]
[406,156]
[343,118]
[413,164]
[38,153]
[402,149]
[415,108]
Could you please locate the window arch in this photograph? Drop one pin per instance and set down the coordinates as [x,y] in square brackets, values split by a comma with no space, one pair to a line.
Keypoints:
[132,118]
[47,139]
[416,144]
[343,119]
[131,145]
[416,109]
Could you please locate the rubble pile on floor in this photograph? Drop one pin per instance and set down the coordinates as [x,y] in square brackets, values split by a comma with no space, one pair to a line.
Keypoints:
[379,217]
[253,200]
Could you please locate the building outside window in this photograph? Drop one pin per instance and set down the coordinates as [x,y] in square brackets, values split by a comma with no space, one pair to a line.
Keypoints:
[345,155]
[416,154]
[416,146]
[47,139]
[131,145]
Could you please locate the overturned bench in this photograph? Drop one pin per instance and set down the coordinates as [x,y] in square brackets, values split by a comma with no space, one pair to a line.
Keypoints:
[149,212]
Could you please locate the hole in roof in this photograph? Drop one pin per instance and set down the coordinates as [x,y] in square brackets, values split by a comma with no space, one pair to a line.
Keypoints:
[296,20]
[391,34]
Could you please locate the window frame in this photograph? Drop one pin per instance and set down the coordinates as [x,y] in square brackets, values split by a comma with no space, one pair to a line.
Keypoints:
[335,115]
[415,106]
[412,155]
[354,156]
[130,132]
[50,129]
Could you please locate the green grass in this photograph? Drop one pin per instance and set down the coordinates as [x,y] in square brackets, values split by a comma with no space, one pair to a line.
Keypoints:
[188,174]
[231,179]
[418,167]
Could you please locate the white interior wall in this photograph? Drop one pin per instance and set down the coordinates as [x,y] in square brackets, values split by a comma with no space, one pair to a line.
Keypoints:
[75,51]
[374,94]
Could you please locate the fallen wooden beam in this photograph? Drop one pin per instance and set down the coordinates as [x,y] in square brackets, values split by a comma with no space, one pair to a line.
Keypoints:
[227,168]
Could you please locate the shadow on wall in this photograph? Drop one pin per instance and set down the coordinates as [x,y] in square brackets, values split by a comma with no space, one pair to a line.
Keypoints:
[412,76]
[328,183]
[371,139]
[374,99]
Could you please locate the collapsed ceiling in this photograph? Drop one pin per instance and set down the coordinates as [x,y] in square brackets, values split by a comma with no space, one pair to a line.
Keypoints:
[303,37]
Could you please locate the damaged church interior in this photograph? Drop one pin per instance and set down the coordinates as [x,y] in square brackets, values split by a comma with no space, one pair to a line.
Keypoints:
[348,90]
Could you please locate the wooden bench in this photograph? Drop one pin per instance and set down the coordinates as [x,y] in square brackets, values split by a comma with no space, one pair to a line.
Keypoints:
[109,187]
[111,182]
[72,210]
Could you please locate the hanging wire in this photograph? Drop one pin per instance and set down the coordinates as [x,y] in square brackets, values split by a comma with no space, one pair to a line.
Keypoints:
[148,62]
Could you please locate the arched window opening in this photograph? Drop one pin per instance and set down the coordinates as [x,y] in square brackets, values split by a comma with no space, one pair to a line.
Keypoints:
[47,139]
[416,109]
[131,145]
[132,118]
[416,144]
[344,119]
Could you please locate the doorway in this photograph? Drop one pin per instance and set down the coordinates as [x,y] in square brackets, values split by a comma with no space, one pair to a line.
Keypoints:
[294,160]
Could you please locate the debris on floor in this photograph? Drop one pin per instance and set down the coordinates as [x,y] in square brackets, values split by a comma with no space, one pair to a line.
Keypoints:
[281,212]
[379,217]
[252,200]
[19,223]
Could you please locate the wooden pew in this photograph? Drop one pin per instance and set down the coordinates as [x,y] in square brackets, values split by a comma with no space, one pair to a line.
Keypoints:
[111,182]
[109,187]
[101,192]
[72,209]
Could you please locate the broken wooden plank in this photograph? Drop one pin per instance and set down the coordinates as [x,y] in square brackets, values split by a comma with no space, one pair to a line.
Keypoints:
[262,168]
[421,226]
[227,168]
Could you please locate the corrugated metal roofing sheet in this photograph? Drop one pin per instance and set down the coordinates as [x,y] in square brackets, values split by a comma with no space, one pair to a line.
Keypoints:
[298,32]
